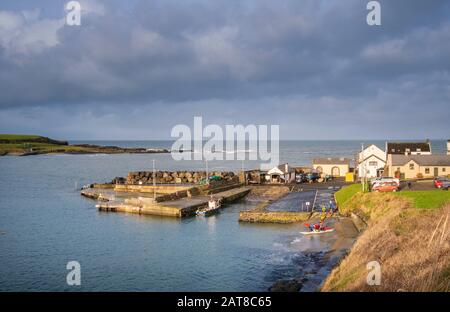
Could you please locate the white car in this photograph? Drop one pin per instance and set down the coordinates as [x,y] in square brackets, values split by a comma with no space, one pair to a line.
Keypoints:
[378,181]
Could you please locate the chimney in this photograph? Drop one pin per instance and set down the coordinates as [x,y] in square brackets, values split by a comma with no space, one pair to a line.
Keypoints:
[286,167]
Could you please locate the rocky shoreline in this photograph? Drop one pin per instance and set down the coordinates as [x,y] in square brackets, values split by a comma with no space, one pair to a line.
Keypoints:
[169,177]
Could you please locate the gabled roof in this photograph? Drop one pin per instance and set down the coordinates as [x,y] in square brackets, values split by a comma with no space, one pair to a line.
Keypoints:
[373,155]
[331,161]
[421,160]
[401,147]
[281,169]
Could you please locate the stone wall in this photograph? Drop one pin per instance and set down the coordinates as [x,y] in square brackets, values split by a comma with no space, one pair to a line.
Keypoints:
[168,177]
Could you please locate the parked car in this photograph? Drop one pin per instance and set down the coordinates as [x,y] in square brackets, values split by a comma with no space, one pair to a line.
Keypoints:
[377,181]
[386,187]
[312,177]
[442,183]
[301,178]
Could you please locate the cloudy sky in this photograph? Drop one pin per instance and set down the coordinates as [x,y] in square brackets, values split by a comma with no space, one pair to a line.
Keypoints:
[134,69]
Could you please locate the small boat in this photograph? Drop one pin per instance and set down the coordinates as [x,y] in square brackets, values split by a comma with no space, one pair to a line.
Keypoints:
[326,230]
[316,230]
[213,207]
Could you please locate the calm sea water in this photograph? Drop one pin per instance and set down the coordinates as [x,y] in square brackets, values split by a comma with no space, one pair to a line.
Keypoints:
[44,223]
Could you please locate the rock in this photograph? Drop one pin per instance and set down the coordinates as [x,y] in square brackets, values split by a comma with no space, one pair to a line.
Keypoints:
[286,286]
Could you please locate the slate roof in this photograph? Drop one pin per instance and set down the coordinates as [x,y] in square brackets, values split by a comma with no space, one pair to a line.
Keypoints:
[422,160]
[331,161]
[400,147]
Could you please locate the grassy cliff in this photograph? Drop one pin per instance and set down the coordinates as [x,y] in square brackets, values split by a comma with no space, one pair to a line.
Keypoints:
[408,234]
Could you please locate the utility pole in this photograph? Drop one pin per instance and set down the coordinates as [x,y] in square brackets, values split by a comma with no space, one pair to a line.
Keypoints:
[363,168]
[243,173]
[207,175]
[154,180]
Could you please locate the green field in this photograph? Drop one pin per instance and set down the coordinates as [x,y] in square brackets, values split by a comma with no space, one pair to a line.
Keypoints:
[21,143]
[15,137]
[426,199]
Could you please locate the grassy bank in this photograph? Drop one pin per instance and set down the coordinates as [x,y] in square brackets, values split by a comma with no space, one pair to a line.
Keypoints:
[344,194]
[408,234]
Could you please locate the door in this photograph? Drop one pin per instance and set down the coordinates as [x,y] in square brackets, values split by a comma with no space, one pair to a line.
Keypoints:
[436,171]
[335,172]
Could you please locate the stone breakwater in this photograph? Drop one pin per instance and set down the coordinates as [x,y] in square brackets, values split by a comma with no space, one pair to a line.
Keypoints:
[169,177]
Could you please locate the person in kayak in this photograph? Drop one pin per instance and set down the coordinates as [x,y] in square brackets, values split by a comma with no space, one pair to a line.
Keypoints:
[323,216]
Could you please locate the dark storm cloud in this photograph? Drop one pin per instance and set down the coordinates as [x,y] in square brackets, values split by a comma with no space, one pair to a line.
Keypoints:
[304,57]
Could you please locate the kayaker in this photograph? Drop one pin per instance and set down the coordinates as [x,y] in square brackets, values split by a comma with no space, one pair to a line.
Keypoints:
[323,216]
[331,210]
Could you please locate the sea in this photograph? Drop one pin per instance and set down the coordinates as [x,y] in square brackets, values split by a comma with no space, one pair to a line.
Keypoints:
[45,224]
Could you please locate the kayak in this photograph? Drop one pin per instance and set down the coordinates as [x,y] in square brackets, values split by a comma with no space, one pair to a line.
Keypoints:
[327,230]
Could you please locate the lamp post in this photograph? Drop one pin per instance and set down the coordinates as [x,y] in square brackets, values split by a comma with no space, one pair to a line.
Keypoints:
[154,180]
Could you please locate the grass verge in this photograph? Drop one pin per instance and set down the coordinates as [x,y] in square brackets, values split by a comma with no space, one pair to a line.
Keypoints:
[347,192]
[426,199]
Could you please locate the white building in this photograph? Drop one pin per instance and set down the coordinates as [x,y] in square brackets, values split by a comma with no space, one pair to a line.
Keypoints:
[335,167]
[448,147]
[281,174]
[371,162]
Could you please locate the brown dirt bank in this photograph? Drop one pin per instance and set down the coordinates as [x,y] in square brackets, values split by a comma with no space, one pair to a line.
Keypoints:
[412,246]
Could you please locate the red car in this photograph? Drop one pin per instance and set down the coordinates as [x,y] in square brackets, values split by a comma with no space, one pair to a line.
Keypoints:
[441,183]
[386,187]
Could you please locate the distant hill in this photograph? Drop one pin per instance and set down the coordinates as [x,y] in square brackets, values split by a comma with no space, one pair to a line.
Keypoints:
[24,145]
[24,138]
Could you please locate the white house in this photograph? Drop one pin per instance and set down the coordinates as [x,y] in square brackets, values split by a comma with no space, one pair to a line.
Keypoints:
[281,174]
[448,147]
[371,162]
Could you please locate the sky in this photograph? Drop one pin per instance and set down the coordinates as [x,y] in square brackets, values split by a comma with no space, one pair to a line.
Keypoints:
[135,69]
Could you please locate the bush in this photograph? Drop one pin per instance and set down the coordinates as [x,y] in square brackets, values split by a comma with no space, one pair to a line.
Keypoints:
[419,176]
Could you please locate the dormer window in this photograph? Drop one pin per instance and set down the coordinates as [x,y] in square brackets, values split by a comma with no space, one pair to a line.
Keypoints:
[408,150]
[418,149]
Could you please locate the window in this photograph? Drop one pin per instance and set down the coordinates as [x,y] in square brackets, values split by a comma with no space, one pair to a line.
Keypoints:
[373,163]
[443,169]
[427,170]
[411,166]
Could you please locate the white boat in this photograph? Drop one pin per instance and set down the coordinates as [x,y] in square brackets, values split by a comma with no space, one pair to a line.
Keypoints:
[213,206]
